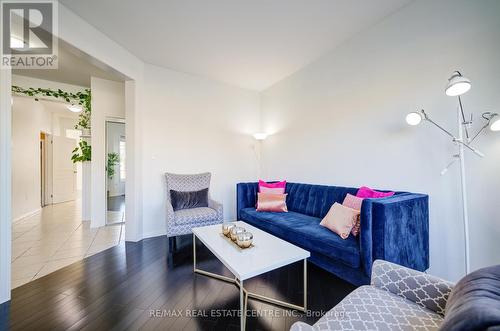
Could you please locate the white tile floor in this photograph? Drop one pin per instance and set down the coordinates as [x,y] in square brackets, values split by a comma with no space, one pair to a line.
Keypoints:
[55,238]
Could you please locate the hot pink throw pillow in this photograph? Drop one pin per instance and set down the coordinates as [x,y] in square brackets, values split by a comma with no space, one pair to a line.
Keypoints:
[280,185]
[366,192]
[272,190]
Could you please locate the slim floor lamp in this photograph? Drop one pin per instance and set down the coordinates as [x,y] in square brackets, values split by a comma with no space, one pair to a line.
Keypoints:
[457,86]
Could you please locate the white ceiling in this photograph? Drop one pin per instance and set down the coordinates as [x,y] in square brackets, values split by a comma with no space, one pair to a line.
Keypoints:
[252,44]
[60,108]
[52,106]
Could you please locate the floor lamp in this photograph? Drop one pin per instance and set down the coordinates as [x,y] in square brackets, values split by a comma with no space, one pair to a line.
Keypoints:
[457,86]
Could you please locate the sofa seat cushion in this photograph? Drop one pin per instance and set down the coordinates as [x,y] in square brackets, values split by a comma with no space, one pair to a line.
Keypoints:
[195,215]
[369,308]
[305,231]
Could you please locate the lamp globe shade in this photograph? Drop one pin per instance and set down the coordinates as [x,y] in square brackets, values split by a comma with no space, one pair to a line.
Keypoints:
[260,136]
[457,85]
[74,108]
[414,118]
[495,125]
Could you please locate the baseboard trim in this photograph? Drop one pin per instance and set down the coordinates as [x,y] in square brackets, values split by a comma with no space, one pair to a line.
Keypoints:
[29,214]
[153,234]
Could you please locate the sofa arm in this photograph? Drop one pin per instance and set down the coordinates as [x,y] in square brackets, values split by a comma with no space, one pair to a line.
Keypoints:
[396,229]
[425,290]
[246,196]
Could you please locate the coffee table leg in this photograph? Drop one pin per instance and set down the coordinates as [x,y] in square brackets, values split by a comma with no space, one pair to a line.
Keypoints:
[305,284]
[242,307]
[194,252]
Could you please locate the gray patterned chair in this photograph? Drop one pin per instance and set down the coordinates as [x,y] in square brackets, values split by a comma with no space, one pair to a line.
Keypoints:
[181,222]
[398,298]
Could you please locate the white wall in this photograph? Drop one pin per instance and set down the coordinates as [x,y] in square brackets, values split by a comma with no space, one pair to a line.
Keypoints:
[28,118]
[195,125]
[341,120]
[115,132]
[108,101]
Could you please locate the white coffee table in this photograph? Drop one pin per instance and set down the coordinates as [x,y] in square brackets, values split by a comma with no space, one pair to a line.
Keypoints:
[268,253]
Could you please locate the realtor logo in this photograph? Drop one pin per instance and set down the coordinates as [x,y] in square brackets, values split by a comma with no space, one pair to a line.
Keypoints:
[29,34]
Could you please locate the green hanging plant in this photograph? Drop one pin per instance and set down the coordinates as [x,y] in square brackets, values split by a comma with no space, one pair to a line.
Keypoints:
[81,98]
[113,160]
[83,151]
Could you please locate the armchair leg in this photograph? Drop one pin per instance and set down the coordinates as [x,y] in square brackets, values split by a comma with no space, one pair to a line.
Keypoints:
[172,247]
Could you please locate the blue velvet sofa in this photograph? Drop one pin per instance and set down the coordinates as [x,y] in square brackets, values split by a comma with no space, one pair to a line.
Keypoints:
[394,229]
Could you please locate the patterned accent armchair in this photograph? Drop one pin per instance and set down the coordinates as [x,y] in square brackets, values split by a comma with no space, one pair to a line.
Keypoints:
[181,222]
[398,298]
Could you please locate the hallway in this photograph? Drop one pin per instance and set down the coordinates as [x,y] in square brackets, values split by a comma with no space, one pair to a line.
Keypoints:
[55,238]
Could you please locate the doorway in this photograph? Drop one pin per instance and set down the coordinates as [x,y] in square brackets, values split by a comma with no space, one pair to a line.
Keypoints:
[79,67]
[116,172]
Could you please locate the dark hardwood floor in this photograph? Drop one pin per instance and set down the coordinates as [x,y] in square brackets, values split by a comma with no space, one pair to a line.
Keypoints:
[131,287]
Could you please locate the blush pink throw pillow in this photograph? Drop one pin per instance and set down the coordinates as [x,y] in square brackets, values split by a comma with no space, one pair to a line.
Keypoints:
[354,202]
[281,185]
[340,219]
[366,192]
[271,202]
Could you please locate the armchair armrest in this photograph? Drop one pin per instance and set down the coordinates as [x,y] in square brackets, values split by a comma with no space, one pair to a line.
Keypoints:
[395,229]
[170,212]
[425,290]
[301,326]
[217,206]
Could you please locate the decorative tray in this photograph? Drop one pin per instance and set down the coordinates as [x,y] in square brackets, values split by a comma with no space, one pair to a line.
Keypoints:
[235,244]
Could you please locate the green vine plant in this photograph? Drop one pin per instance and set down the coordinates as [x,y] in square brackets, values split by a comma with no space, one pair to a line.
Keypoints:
[83,151]
[113,160]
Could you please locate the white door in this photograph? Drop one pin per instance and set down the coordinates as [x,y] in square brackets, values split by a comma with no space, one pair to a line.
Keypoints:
[63,170]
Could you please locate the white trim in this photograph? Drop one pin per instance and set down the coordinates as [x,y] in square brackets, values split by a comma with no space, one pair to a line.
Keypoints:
[111,119]
[5,183]
[26,215]
[153,234]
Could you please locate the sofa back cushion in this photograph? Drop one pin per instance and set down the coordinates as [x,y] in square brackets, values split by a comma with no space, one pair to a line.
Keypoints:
[315,200]
[474,302]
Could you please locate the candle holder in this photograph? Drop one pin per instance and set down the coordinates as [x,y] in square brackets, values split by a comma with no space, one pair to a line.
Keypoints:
[235,231]
[244,239]
[226,228]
